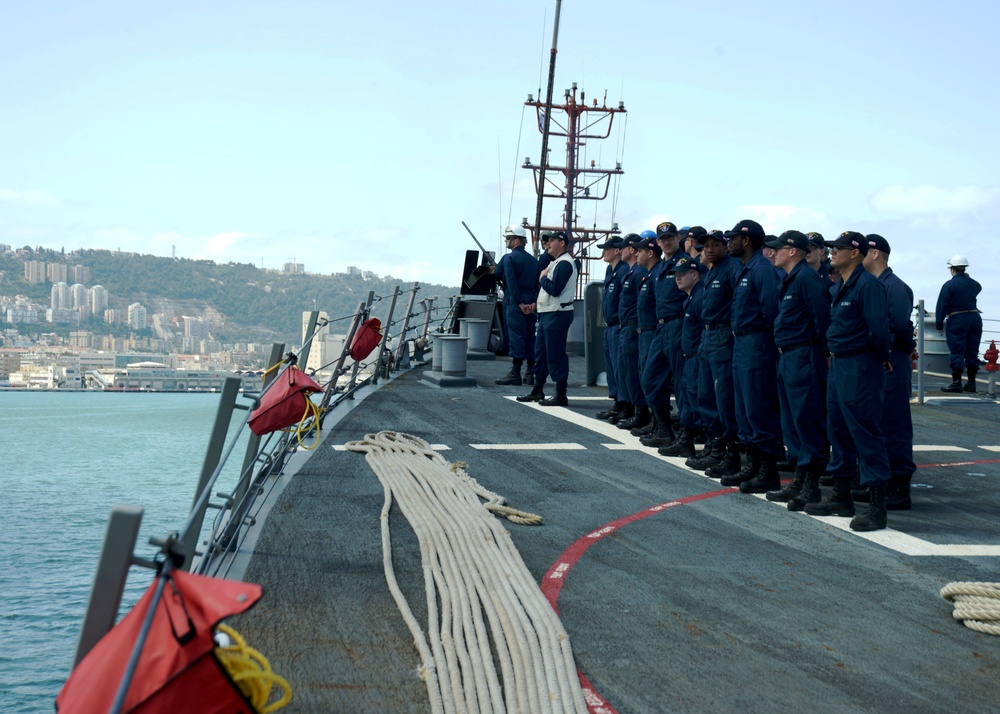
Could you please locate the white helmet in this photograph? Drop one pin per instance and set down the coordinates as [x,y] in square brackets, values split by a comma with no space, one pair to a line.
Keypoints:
[958,261]
[514,232]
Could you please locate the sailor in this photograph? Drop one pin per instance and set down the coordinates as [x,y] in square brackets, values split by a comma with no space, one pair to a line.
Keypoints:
[957,303]
[858,339]
[636,410]
[693,240]
[662,370]
[648,256]
[818,258]
[557,288]
[695,394]
[520,278]
[611,253]
[896,417]
[723,457]
[800,337]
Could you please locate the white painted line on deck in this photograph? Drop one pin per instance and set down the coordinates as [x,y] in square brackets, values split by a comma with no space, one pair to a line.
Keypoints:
[990,448]
[590,399]
[529,447]
[436,447]
[939,447]
[888,538]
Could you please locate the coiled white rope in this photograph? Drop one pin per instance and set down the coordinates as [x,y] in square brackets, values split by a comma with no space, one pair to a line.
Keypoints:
[483,605]
[976,604]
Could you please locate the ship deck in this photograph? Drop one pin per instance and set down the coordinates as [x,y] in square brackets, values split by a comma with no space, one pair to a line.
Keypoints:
[680,595]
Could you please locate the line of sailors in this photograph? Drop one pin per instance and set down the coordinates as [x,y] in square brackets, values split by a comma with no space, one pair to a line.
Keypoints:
[766,347]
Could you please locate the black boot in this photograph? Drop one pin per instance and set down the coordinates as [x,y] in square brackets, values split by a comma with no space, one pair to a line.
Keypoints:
[790,490]
[617,409]
[683,445]
[956,382]
[645,429]
[767,478]
[838,503]
[558,399]
[529,374]
[536,394]
[970,386]
[512,378]
[730,464]
[749,470]
[627,412]
[641,418]
[859,493]
[663,433]
[874,519]
[897,495]
[810,491]
[715,455]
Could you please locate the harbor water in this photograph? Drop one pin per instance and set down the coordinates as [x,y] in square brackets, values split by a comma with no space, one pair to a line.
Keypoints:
[67,458]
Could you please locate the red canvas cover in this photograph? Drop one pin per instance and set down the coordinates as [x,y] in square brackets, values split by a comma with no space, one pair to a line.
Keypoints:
[366,339]
[284,403]
[177,670]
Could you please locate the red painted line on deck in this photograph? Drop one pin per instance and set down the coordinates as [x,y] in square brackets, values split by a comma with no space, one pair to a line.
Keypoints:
[959,463]
[553,580]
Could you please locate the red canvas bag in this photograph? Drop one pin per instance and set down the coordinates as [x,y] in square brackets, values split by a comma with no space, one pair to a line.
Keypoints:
[366,339]
[284,403]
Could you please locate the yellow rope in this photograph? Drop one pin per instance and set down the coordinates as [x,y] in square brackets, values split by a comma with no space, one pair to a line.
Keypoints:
[268,371]
[252,673]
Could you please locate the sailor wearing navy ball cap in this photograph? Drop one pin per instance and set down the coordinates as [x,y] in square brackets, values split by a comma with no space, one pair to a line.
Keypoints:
[858,339]
[637,412]
[611,253]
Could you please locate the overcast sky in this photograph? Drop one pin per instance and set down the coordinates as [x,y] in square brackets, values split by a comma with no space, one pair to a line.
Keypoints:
[338,133]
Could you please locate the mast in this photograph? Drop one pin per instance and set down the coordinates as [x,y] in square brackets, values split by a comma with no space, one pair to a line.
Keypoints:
[546,120]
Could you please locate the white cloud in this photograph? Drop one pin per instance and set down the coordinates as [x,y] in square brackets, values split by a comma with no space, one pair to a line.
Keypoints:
[777,218]
[216,245]
[28,198]
[930,199]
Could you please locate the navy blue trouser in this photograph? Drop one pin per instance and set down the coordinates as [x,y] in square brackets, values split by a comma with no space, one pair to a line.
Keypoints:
[964,333]
[611,360]
[803,410]
[520,332]
[756,391]
[628,366]
[854,397]
[695,396]
[717,346]
[896,419]
[662,367]
[551,359]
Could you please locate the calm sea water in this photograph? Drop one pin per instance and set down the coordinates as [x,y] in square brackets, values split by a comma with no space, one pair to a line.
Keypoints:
[65,460]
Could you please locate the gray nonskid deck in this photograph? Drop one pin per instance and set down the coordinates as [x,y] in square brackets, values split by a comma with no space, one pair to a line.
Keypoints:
[722,604]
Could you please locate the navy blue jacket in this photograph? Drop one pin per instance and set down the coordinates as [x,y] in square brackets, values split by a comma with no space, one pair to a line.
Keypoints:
[520,276]
[717,303]
[803,309]
[859,317]
[646,307]
[755,297]
[900,299]
[670,299]
[628,302]
[692,328]
[612,292]
[957,295]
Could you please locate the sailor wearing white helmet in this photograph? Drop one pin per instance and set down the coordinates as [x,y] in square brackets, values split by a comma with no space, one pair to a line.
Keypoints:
[518,271]
[957,304]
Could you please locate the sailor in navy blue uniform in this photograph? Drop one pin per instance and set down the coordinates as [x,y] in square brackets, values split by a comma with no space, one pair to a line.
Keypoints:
[628,336]
[957,304]
[858,339]
[817,257]
[800,337]
[896,417]
[557,288]
[662,369]
[723,457]
[648,256]
[693,381]
[755,358]
[520,280]
[612,255]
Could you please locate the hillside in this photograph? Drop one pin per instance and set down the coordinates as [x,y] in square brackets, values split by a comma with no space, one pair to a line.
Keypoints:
[241,301]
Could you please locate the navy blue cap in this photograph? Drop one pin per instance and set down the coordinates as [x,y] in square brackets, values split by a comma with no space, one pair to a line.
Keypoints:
[878,243]
[791,239]
[684,265]
[850,239]
[666,229]
[696,232]
[747,229]
[561,235]
[612,242]
[716,233]
[648,244]
[816,239]
[631,240]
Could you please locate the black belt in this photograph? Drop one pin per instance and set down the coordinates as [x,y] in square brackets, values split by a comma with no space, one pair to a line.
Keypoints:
[629,324]
[794,346]
[611,324]
[687,356]
[718,325]
[960,312]
[646,329]
[849,353]
[665,320]
[750,331]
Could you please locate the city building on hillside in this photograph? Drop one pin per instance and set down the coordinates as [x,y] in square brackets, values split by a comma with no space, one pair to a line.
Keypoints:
[34,271]
[114,316]
[137,316]
[62,315]
[293,268]
[352,270]
[61,297]
[57,272]
[80,274]
[23,312]
[80,298]
[195,327]
[98,299]
[81,338]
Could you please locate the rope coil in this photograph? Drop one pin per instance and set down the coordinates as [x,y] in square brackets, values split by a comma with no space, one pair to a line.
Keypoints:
[976,604]
[484,608]
[252,673]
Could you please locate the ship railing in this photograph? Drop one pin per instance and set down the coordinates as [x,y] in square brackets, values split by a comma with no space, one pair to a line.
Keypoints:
[264,462]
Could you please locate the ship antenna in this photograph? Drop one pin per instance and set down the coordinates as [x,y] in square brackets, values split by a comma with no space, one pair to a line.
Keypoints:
[547,120]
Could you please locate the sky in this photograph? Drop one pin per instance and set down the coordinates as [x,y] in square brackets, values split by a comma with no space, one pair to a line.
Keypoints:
[336,134]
